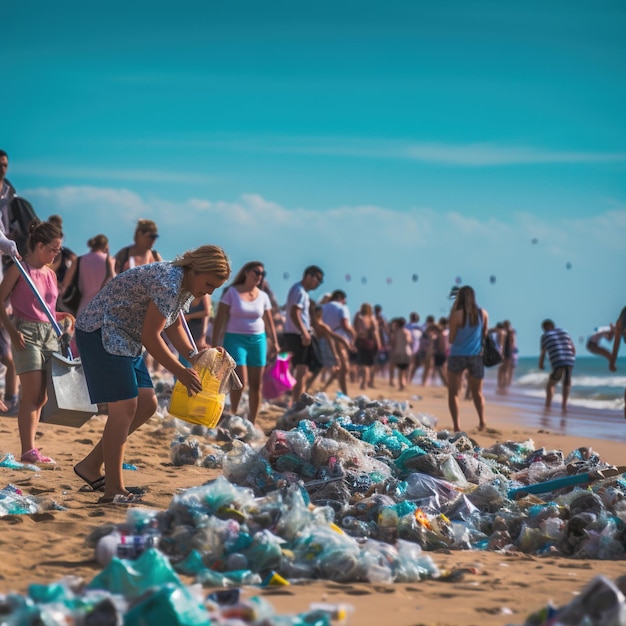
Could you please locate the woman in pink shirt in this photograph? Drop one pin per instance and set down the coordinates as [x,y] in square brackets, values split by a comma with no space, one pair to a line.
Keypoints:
[33,339]
[95,269]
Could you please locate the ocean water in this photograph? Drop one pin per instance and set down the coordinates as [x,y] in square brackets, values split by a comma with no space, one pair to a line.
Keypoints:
[593,385]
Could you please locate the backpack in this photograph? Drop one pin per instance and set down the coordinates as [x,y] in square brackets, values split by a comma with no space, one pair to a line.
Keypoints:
[20,215]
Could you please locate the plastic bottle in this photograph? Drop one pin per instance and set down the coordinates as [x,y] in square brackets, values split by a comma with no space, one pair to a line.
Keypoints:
[339,613]
[125,546]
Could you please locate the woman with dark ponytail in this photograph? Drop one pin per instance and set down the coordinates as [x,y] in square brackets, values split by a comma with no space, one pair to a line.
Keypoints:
[468,327]
[33,339]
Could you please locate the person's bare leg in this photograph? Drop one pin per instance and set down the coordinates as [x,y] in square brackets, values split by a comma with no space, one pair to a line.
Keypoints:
[428,364]
[235,394]
[10,378]
[549,393]
[476,386]
[443,375]
[33,398]
[91,466]
[116,429]
[565,392]
[300,371]
[342,373]
[599,351]
[255,375]
[454,384]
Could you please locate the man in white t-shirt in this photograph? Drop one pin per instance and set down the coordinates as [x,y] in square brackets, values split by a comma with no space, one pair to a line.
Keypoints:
[337,316]
[297,338]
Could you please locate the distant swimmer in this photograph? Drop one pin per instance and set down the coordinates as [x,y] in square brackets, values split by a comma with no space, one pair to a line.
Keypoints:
[600,333]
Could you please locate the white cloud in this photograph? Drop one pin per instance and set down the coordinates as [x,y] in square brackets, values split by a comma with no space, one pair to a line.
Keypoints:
[483,154]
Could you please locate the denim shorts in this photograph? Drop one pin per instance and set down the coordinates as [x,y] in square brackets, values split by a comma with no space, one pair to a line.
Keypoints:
[110,377]
[41,341]
[473,364]
[248,350]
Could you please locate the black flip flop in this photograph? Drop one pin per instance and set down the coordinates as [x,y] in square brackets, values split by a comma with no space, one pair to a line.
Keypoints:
[99,483]
[96,485]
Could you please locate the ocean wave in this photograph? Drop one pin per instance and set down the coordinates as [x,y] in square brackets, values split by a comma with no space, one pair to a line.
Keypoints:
[537,379]
[599,404]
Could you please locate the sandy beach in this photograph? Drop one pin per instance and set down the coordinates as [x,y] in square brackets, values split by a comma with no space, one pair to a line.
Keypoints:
[497,589]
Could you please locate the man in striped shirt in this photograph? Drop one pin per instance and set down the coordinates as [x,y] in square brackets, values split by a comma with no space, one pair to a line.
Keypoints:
[562,353]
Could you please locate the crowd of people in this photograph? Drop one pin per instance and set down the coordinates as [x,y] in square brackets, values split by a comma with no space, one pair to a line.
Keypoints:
[131,313]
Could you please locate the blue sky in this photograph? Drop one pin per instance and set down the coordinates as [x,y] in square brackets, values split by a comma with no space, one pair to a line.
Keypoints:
[435,139]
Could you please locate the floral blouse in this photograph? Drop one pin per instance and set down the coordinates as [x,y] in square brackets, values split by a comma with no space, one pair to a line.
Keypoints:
[120,307]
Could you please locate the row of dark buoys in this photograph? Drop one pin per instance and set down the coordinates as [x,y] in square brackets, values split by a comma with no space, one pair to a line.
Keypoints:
[415,277]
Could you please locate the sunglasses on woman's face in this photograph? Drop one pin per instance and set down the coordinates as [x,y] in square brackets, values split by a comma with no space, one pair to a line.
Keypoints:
[260,273]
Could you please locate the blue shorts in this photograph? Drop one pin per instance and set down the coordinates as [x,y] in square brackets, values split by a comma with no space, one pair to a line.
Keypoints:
[110,377]
[249,350]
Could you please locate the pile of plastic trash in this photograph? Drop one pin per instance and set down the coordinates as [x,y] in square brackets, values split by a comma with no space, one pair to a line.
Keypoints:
[150,592]
[14,501]
[343,490]
[601,603]
[223,535]
[386,474]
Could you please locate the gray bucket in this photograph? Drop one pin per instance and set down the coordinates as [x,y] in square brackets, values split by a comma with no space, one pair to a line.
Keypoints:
[68,398]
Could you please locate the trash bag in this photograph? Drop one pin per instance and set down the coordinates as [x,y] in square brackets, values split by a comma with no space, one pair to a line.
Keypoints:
[277,379]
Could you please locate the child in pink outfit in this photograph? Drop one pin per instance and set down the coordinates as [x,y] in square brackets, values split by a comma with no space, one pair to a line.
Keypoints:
[33,339]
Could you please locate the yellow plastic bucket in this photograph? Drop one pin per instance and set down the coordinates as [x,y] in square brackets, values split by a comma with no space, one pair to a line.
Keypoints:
[204,408]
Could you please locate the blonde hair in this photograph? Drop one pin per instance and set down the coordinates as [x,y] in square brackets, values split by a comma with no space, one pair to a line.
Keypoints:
[206,259]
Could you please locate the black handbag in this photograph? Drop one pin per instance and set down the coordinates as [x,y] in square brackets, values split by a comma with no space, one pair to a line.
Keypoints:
[491,354]
[71,297]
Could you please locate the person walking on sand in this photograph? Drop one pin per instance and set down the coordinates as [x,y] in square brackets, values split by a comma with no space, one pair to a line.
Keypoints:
[328,341]
[400,350]
[245,314]
[367,344]
[562,354]
[620,333]
[336,315]
[132,309]
[468,326]
[33,339]
[382,358]
[297,338]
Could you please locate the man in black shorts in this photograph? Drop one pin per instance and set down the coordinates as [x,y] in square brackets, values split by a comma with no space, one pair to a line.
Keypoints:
[298,338]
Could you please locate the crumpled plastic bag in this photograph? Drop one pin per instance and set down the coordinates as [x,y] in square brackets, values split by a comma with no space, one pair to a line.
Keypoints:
[220,365]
